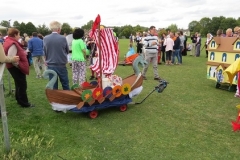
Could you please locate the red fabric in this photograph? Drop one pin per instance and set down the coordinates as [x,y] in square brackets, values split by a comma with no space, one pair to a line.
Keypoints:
[23,62]
[109,52]
[95,24]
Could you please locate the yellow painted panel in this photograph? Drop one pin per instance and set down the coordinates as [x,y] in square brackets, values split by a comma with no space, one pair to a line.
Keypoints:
[222,57]
[236,46]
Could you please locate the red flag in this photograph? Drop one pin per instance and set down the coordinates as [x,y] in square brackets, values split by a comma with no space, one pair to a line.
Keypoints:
[95,24]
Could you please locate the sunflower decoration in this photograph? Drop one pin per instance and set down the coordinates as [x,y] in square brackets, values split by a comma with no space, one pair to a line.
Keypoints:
[97,93]
[87,96]
[126,89]
[117,91]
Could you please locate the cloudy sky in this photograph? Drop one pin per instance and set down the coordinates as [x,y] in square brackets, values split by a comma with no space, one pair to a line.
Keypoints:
[117,13]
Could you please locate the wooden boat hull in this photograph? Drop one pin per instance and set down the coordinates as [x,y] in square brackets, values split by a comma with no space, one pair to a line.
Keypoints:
[70,97]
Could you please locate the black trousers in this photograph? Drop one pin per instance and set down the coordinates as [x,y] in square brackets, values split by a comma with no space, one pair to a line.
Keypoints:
[20,86]
[139,48]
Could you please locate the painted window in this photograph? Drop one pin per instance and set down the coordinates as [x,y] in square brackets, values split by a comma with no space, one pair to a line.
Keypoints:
[224,57]
[212,56]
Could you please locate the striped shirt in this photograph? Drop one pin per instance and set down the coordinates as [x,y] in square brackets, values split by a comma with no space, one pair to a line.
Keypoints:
[148,44]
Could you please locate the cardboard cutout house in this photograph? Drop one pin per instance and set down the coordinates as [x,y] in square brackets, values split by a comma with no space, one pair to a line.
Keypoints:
[222,51]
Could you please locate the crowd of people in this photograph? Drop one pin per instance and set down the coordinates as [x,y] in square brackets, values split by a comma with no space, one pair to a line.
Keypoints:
[20,52]
[49,52]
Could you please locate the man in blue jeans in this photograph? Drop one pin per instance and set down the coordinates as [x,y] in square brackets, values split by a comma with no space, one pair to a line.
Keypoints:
[56,50]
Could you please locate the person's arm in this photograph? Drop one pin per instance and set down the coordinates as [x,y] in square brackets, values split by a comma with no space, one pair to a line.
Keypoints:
[3,57]
[12,51]
[145,43]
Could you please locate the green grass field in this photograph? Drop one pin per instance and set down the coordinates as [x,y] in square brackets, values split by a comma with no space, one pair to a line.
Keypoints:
[191,119]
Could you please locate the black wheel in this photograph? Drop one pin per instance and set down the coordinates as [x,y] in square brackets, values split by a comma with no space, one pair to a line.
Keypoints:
[93,114]
[123,108]
[218,85]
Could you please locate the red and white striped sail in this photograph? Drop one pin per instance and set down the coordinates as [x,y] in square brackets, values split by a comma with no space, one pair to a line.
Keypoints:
[109,51]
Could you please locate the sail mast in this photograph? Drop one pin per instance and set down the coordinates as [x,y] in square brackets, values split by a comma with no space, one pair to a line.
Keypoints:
[100,57]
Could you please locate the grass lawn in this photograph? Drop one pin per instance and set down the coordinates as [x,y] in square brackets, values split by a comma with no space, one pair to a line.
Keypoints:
[191,119]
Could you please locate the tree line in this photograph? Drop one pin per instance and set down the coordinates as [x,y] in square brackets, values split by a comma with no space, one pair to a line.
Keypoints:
[204,26]
[211,25]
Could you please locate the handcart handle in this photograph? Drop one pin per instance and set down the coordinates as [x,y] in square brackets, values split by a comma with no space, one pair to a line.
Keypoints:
[160,87]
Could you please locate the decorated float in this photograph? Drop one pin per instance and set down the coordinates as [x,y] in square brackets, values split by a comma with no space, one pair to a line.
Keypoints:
[110,90]
[223,51]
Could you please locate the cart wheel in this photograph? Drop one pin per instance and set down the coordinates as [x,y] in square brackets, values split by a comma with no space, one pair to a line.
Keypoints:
[123,108]
[218,85]
[93,114]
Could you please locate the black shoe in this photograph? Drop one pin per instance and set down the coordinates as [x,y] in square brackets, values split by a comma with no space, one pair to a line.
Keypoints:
[158,79]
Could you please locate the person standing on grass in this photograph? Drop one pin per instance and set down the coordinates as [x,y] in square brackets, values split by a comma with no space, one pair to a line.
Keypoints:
[151,48]
[169,43]
[18,70]
[163,47]
[56,50]
[198,45]
[182,39]
[176,49]
[78,57]
[35,46]
[193,38]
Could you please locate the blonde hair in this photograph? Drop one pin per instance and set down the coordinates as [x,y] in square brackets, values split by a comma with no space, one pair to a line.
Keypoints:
[229,30]
[236,28]
[55,26]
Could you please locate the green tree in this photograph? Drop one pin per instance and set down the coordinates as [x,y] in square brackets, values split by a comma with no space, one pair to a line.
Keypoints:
[66,28]
[29,28]
[138,28]
[161,32]
[22,28]
[205,24]
[192,25]
[238,21]
[88,26]
[5,23]
[127,31]
[216,21]
[173,28]
[16,24]
[228,23]
[43,29]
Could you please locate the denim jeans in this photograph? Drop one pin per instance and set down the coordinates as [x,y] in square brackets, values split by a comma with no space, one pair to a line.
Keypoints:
[63,76]
[176,53]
